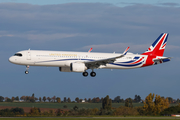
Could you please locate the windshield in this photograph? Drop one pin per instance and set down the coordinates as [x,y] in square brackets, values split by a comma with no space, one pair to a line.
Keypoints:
[18,54]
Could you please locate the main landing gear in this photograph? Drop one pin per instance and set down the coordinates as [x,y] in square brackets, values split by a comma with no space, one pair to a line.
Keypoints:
[93,74]
[27,68]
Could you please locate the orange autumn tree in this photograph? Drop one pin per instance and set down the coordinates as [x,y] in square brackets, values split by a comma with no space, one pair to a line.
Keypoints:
[154,107]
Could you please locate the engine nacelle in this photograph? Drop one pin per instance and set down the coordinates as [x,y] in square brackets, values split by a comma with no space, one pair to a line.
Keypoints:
[78,67]
[64,69]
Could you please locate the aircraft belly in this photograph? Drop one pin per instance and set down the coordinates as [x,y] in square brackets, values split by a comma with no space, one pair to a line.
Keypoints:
[49,63]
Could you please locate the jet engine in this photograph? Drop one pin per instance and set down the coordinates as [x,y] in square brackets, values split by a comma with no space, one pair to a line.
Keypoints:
[64,69]
[78,67]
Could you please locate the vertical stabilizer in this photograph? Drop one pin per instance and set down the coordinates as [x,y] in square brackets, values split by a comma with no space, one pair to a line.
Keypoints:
[158,47]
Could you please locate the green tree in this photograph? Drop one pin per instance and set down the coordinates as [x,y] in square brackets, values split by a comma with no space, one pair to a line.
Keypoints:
[117,99]
[54,98]
[170,99]
[178,101]
[49,99]
[128,102]
[17,98]
[1,98]
[44,98]
[77,100]
[12,99]
[69,100]
[40,99]
[65,100]
[85,99]
[107,103]
[7,99]
[23,98]
[137,98]
[33,95]
[89,100]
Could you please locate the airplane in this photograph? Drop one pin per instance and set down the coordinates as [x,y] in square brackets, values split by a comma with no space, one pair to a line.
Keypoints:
[82,61]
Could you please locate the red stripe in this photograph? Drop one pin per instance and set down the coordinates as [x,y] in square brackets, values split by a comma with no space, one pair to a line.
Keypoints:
[164,45]
[137,61]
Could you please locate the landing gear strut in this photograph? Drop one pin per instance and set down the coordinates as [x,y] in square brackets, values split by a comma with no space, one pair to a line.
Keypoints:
[27,68]
[85,74]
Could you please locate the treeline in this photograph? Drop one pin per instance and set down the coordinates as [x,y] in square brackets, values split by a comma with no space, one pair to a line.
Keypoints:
[118,99]
[33,99]
[153,105]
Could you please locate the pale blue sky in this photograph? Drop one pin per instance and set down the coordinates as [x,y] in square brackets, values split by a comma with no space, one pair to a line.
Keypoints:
[114,2]
[79,26]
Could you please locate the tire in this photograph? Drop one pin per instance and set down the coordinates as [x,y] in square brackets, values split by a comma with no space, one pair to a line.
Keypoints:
[93,74]
[85,74]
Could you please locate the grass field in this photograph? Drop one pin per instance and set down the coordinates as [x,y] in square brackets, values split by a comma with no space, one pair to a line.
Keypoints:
[69,105]
[60,105]
[106,118]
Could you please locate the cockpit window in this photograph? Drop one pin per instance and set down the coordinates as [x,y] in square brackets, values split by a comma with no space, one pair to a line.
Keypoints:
[18,54]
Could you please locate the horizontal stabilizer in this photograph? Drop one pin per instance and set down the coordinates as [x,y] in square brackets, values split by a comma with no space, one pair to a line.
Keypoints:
[161,60]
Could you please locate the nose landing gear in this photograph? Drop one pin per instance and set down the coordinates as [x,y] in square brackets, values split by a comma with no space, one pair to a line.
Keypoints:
[27,68]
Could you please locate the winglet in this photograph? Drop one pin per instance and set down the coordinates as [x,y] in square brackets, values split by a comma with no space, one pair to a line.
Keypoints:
[90,50]
[125,52]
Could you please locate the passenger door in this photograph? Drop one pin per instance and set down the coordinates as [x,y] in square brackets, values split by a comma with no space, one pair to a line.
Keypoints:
[29,55]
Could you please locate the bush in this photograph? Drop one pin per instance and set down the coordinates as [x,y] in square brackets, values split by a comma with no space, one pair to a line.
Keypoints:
[35,111]
[171,110]
[65,106]
[126,111]
[11,112]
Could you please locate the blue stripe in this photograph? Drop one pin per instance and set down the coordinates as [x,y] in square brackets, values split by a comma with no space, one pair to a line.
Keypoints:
[157,40]
[130,60]
[127,61]
[127,65]
[136,57]
[165,39]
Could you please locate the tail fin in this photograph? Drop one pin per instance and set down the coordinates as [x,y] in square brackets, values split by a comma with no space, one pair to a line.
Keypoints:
[158,47]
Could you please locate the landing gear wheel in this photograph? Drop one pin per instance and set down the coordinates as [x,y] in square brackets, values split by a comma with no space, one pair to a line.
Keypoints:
[26,72]
[93,74]
[27,68]
[85,74]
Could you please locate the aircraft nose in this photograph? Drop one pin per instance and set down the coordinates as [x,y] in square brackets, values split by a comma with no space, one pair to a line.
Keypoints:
[11,59]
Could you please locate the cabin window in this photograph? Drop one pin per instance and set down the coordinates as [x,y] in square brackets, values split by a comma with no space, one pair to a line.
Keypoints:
[18,54]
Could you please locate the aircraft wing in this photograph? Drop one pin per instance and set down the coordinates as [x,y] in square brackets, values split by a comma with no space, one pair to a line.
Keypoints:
[97,63]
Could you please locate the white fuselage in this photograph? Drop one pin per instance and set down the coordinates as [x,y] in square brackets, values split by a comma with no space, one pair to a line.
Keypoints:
[64,59]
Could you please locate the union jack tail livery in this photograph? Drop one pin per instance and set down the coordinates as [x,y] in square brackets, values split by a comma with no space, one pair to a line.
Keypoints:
[156,50]
[158,47]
